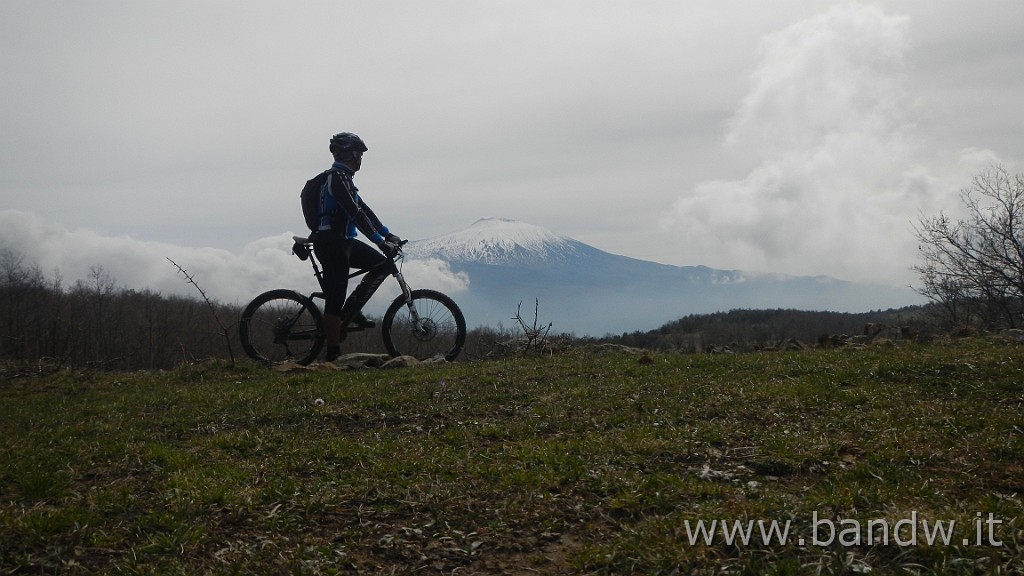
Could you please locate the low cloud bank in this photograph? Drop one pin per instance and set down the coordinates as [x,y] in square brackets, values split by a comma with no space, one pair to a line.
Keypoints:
[263,264]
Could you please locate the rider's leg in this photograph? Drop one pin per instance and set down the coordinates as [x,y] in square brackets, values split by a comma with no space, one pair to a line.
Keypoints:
[363,256]
[333,335]
[334,254]
[352,310]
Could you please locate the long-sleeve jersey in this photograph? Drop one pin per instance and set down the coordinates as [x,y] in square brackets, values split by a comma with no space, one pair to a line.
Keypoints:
[343,209]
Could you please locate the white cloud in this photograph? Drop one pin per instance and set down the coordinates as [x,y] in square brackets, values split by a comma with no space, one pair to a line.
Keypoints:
[841,178]
[838,73]
[261,265]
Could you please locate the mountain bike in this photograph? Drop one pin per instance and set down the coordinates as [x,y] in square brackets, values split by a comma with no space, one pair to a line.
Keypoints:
[284,325]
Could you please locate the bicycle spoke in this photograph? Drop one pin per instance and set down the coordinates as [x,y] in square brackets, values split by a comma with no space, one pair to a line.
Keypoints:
[428,326]
[281,326]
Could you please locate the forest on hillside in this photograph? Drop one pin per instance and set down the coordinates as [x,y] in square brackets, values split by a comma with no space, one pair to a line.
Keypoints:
[97,324]
[744,330]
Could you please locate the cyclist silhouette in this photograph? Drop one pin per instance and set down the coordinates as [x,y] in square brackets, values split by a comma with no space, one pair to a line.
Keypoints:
[343,214]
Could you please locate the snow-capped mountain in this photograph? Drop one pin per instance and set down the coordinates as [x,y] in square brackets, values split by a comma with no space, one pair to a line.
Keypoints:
[583,290]
[500,241]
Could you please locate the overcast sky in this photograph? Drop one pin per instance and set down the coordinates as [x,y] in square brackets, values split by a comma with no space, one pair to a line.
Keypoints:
[793,136]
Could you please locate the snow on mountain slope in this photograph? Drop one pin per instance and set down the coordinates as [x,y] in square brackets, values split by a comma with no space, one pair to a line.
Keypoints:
[501,241]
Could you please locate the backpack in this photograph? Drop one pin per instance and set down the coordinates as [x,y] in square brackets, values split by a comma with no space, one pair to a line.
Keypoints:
[310,197]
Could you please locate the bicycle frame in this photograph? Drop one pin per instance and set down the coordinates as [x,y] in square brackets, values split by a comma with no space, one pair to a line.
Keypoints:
[302,249]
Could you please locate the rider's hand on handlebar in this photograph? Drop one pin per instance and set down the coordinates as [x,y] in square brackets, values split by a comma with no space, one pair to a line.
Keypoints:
[389,247]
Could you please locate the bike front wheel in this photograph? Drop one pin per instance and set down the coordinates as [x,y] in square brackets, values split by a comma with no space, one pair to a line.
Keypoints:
[427,325]
[280,326]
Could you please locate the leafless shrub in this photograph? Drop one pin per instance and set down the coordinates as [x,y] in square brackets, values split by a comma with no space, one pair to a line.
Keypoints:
[534,337]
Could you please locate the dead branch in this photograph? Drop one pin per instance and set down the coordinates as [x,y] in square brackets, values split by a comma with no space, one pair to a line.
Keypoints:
[209,304]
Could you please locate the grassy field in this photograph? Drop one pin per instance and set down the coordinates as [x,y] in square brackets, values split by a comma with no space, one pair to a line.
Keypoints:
[584,462]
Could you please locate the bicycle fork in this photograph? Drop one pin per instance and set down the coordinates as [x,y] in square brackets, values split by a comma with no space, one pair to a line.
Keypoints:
[406,291]
[417,324]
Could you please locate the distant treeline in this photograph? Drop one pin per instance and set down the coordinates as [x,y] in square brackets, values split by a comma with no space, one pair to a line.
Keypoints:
[754,329]
[96,324]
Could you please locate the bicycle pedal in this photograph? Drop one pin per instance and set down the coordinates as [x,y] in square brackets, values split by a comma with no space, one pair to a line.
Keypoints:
[360,322]
[359,326]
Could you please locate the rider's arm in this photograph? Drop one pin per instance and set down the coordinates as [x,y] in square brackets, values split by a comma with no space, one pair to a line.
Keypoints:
[374,221]
[341,189]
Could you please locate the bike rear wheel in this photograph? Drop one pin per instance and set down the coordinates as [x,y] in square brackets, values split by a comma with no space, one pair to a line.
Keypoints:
[427,325]
[280,326]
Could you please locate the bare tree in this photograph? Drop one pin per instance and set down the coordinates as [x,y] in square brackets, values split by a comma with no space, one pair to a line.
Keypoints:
[20,285]
[973,267]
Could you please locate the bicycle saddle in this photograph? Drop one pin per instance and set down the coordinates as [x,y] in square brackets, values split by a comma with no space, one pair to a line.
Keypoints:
[301,247]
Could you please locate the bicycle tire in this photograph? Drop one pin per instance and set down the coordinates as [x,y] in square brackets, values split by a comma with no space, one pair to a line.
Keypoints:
[282,325]
[441,330]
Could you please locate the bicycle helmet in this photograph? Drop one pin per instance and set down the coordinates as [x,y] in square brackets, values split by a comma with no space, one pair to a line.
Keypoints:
[347,142]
